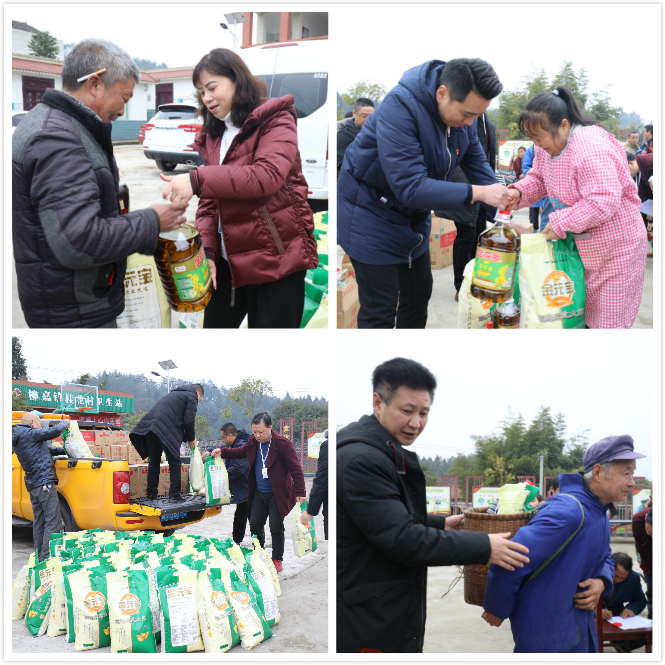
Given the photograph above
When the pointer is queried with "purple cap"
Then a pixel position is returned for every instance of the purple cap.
(608, 449)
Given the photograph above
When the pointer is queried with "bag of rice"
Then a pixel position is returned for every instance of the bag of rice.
(131, 616)
(218, 625)
(37, 615)
(252, 626)
(57, 624)
(41, 573)
(90, 609)
(258, 578)
(20, 594)
(76, 446)
(179, 621)
(196, 475)
(154, 597)
(217, 490)
(302, 538)
(236, 556)
(472, 313)
(269, 564)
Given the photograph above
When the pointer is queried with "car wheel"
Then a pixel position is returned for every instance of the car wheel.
(68, 522)
(165, 166)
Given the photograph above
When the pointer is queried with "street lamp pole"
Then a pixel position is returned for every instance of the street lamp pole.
(168, 365)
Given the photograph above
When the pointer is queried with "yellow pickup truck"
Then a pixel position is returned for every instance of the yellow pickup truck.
(94, 493)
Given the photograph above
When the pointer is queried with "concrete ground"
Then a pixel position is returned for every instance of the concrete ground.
(303, 605)
(471, 633)
(442, 310)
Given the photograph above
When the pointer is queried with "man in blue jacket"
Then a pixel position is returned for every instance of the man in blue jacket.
(398, 170)
(550, 601)
(237, 470)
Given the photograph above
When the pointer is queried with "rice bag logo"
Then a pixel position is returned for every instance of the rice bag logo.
(129, 604)
(44, 588)
(241, 597)
(218, 600)
(94, 601)
(558, 289)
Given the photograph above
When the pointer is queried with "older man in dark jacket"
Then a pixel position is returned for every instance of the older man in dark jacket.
(276, 481)
(319, 495)
(238, 472)
(35, 454)
(71, 241)
(398, 170)
(163, 429)
(385, 538)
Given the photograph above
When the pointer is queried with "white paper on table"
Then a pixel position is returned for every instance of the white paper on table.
(647, 207)
(632, 623)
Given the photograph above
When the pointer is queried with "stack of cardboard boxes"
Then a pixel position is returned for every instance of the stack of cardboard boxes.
(441, 239)
(348, 304)
(109, 444)
(138, 480)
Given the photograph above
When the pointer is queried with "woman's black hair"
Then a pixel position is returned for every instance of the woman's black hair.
(549, 109)
(249, 88)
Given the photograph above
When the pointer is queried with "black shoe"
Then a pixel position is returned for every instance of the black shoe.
(177, 498)
(152, 495)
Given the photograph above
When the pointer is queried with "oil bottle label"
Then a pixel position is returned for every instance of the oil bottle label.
(192, 277)
(494, 270)
(514, 327)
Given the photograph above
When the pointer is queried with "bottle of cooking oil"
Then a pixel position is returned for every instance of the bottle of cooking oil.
(507, 315)
(496, 258)
(123, 198)
(183, 269)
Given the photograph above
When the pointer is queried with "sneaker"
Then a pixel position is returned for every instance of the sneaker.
(178, 498)
(457, 296)
(650, 255)
(152, 495)
(278, 565)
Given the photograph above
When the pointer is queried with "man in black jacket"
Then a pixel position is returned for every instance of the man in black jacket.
(362, 109)
(385, 538)
(71, 241)
(471, 220)
(170, 422)
(35, 454)
(319, 493)
(238, 471)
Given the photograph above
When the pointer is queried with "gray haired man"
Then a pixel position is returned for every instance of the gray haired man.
(71, 242)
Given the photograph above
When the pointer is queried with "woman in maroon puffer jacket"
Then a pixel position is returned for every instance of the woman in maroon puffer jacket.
(253, 216)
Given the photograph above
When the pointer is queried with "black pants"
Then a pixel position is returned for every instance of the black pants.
(46, 518)
(264, 506)
(239, 522)
(381, 287)
(533, 217)
(276, 304)
(464, 247)
(155, 449)
(325, 518)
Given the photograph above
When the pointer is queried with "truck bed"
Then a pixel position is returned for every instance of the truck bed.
(193, 508)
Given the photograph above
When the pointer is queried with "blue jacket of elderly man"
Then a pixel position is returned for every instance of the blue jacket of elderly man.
(541, 609)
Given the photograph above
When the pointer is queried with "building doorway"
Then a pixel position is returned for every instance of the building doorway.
(33, 90)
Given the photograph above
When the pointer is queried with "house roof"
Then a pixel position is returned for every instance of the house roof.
(174, 73)
(17, 25)
(37, 65)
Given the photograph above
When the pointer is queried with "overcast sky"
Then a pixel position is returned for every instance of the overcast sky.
(225, 358)
(581, 375)
(617, 44)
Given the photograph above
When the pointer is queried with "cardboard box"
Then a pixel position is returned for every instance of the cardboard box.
(132, 456)
(348, 304)
(95, 449)
(164, 479)
(440, 257)
(142, 480)
(441, 239)
(442, 226)
(120, 437)
(105, 451)
(88, 435)
(118, 452)
(184, 478)
(104, 436)
(137, 490)
(347, 265)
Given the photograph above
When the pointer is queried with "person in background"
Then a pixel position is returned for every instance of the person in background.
(631, 145)
(543, 203)
(362, 109)
(648, 134)
(583, 169)
(276, 481)
(537, 500)
(516, 163)
(34, 452)
(238, 472)
(319, 495)
(643, 535)
(554, 487)
(170, 422)
(627, 599)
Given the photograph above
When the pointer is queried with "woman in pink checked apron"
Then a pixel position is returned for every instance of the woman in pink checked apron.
(584, 171)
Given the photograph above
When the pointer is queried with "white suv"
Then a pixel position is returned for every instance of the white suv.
(168, 135)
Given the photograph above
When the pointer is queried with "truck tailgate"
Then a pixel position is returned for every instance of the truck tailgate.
(170, 514)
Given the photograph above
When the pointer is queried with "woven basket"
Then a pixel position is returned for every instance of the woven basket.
(477, 519)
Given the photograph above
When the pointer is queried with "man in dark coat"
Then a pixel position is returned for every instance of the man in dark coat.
(238, 472)
(319, 494)
(276, 481)
(569, 537)
(163, 429)
(628, 599)
(71, 241)
(385, 537)
(346, 135)
(643, 534)
(35, 454)
(398, 169)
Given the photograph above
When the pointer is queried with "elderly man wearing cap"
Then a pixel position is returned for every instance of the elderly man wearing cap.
(550, 601)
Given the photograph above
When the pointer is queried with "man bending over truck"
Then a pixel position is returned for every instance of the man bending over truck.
(163, 429)
(35, 453)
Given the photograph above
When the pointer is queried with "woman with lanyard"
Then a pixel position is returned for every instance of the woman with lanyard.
(584, 171)
(255, 223)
